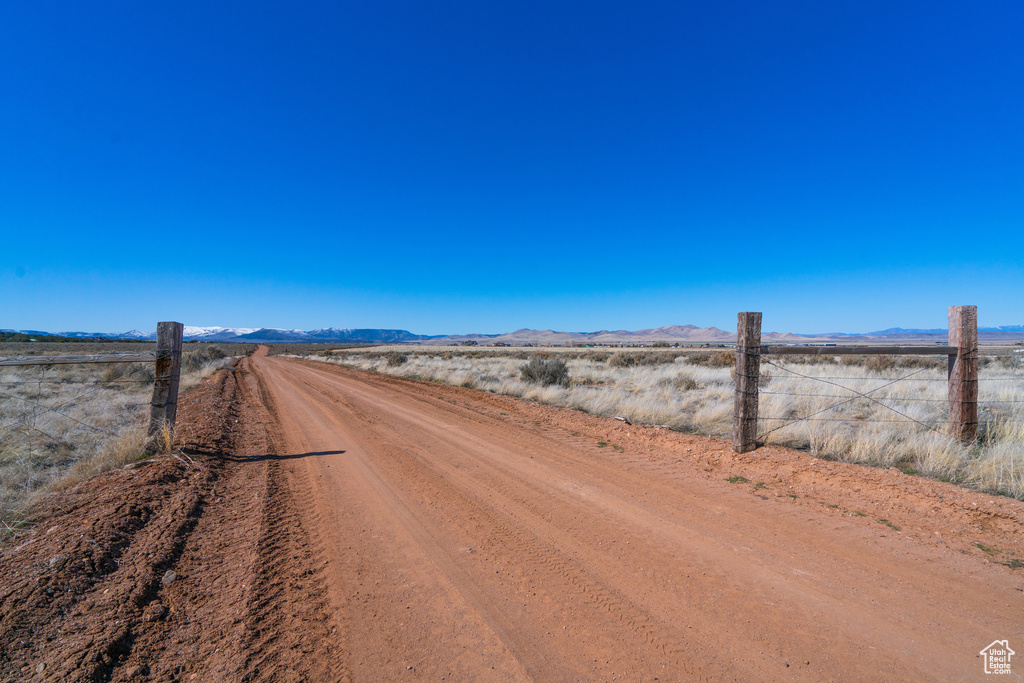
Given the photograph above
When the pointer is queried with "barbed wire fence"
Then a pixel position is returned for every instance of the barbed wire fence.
(42, 416)
(56, 402)
(888, 404)
(850, 393)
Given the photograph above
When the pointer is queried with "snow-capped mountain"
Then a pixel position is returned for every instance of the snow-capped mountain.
(279, 335)
(332, 335)
(215, 333)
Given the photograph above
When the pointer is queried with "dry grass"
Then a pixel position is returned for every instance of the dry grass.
(693, 392)
(61, 424)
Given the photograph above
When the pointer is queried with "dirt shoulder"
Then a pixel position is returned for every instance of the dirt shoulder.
(159, 571)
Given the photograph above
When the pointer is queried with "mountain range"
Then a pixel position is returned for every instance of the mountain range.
(670, 333)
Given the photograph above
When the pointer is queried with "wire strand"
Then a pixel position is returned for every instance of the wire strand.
(862, 395)
(838, 419)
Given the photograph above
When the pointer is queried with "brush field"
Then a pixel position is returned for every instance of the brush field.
(60, 424)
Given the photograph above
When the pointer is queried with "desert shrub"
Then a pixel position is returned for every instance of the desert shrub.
(680, 383)
(196, 360)
(922, 362)
(880, 363)
(1014, 362)
(628, 359)
(192, 361)
(621, 359)
(545, 371)
(712, 359)
(394, 358)
(722, 359)
(810, 359)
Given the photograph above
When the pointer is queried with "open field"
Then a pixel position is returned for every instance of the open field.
(63, 423)
(329, 524)
(901, 425)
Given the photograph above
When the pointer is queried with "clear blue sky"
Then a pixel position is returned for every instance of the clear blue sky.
(485, 166)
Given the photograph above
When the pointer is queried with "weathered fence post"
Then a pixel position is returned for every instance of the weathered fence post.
(164, 406)
(963, 373)
(748, 368)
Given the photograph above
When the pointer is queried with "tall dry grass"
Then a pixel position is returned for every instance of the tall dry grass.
(693, 392)
(61, 424)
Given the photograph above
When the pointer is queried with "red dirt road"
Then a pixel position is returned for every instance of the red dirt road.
(465, 540)
(323, 524)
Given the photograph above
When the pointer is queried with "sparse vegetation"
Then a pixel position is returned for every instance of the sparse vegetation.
(545, 371)
(60, 424)
(394, 358)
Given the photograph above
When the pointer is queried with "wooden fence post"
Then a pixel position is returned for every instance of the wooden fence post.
(164, 406)
(748, 368)
(963, 373)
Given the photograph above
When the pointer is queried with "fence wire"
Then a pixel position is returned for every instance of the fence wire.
(857, 392)
(848, 399)
(39, 409)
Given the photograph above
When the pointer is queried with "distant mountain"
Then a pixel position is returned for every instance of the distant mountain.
(899, 330)
(895, 331)
(328, 335)
(1001, 333)
(670, 333)
(1002, 328)
(132, 334)
(349, 334)
(259, 335)
(215, 333)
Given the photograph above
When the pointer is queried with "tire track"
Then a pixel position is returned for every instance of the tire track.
(531, 539)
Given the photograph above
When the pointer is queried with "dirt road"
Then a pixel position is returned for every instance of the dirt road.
(463, 542)
(324, 524)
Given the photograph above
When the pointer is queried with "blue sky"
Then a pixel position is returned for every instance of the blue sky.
(480, 167)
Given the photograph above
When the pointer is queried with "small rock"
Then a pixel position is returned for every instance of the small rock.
(40, 667)
(168, 578)
(57, 561)
(154, 611)
(133, 671)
